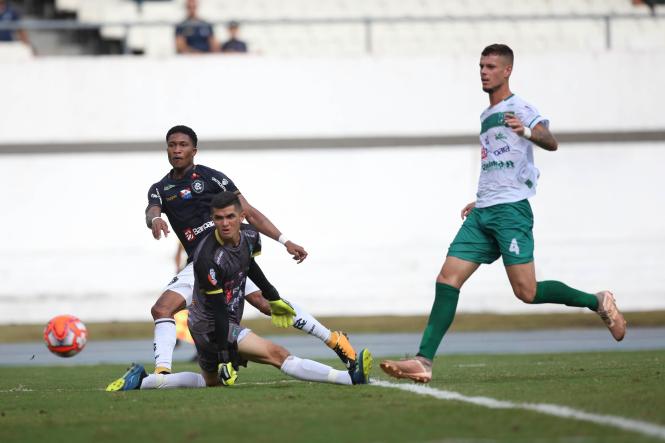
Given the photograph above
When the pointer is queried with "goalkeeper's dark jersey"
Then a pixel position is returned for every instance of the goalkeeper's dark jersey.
(220, 270)
(186, 202)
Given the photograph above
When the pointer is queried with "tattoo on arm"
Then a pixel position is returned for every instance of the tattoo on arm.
(542, 136)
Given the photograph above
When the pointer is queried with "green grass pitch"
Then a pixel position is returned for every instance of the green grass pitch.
(69, 404)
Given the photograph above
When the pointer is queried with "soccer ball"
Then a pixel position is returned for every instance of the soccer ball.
(65, 335)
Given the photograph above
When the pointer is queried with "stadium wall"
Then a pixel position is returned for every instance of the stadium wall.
(128, 99)
(377, 222)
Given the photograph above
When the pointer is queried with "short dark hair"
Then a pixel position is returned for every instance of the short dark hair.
(182, 129)
(499, 49)
(224, 199)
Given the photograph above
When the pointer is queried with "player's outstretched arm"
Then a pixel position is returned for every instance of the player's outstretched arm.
(265, 227)
(154, 221)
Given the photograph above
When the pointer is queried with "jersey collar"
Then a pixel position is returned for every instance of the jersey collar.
(219, 239)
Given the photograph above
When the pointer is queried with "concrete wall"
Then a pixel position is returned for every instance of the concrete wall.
(377, 224)
(136, 99)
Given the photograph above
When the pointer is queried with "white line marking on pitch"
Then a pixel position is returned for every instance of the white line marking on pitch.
(628, 424)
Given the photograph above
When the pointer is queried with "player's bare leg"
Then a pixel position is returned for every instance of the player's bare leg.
(523, 280)
(452, 276)
(166, 306)
(259, 350)
(335, 340)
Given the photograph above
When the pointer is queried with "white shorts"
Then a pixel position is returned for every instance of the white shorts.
(183, 284)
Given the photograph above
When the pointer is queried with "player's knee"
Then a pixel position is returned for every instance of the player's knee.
(526, 293)
(449, 280)
(277, 355)
(167, 305)
(159, 311)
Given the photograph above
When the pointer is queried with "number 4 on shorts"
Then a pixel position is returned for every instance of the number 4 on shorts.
(514, 247)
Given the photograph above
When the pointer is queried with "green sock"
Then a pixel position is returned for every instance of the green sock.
(440, 319)
(552, 291)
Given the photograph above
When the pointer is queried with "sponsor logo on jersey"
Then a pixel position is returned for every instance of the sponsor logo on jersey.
(212, 277)
(218, 256)
(186, 194)
(189, 234)
(500, 136)
(222, 184)
(154, 195)
(495, 165)
(175, 279)
(167, 187)
(203, 227)
(198, 186)
(170, 198)
(502, 150)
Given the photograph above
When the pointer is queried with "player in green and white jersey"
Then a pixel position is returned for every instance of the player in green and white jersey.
(500, 222)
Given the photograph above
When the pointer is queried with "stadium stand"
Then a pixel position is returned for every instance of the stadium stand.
(385, 27)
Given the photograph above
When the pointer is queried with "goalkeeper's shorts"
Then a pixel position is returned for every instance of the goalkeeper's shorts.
(206, 348)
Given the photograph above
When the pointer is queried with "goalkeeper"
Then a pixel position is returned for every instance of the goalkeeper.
(222, 262)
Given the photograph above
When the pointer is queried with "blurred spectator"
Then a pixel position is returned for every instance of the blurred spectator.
(650, 3)
(9, 14)
(233, 44)
(195, 36)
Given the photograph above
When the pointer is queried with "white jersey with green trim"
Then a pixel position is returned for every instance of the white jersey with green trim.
(507, 172)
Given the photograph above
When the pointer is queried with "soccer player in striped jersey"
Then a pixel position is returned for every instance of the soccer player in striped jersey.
(500, 222)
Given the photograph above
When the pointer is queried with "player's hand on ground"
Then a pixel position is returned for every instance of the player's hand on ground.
(514, 123)
(281, 313)
(298, 252)
(227, 374)
(159, 226)
(467, 209)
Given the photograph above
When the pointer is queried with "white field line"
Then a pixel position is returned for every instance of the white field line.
(628, 424)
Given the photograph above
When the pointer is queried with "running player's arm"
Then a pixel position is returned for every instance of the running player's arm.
(540, 135)
(467, 209)
(256, 218)
(267, 228)
(153, 214)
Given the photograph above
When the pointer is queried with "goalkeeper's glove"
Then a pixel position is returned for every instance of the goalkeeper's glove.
(227, 374)
(281, 313)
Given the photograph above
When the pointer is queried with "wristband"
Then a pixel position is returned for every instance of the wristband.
(154, 218)
(527, 133)
(282, 239)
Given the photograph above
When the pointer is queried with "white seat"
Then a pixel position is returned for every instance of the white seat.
(125, 11)
(67, 5)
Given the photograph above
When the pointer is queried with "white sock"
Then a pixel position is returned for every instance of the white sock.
(170, 381)
(164, 342)
(307, 323)
(311, 370)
